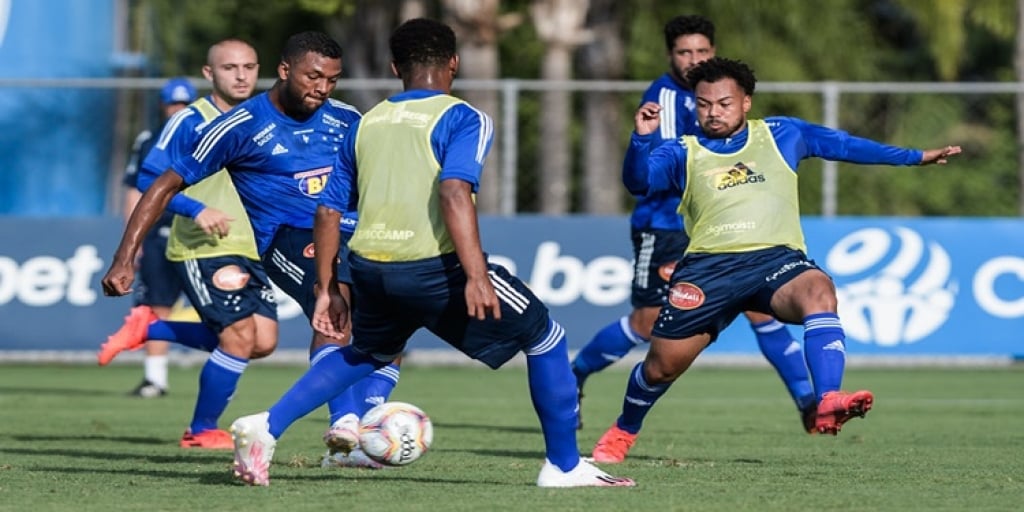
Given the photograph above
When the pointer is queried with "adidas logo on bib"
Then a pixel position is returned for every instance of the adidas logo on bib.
(279, 149)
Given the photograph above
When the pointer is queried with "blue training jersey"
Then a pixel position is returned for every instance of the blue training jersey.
(657, 210)
(664, 167)
(279, 165)
(178, 136)
(141, 148)
(460, 140)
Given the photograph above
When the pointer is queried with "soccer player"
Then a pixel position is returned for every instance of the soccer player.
(738, 185)
(213, 251)
(159, 287)
(659, 239)
(278, 148)
(416, 262)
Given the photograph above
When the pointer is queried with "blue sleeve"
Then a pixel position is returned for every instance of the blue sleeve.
(799, 139)
(176, 137)
(461, 140)
(645, 170)
(220, 143)
(340, 193)
(140, 146)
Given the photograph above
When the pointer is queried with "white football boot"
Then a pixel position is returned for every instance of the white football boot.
(343, 436)
(584, 474)
(254, 448)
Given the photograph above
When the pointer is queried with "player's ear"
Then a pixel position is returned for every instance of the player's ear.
(747, 102)
(394, 70)
(208, 72)
(282, 70)
(453, 65)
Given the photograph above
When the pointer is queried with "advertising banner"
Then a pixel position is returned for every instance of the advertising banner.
(906, 287)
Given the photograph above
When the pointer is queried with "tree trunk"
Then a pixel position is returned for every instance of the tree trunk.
(603, 59)
(478, 26)
(1019, 64)
(560, 25)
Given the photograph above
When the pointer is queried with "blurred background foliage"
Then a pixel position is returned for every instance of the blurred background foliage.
(783, 40)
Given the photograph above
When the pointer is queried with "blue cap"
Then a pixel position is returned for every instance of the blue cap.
(177, 90)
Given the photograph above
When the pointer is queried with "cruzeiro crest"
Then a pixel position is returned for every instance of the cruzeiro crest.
(893, 287)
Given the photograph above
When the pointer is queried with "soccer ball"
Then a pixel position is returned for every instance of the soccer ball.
(395, 433)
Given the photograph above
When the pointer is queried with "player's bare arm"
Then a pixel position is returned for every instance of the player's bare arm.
(939, 156)
(214, 222)
(119, 277)
(647, 118)
(330, 315)
(459, 214)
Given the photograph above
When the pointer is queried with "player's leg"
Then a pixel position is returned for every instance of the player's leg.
(786, 355)
(234, 298)
(524, 326)
(808, 294)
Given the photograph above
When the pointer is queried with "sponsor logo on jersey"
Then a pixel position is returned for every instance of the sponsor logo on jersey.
(685, 296)
(278, 149)
(312, 182)
(738, 174)
(264, 135)
(330, 120)
(665, 271)
(230, 278)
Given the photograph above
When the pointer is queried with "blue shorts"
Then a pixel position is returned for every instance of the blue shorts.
(158, 285)
(655, 253)
(226, 289)
(395, 299)
(290, 263)
(708, 291)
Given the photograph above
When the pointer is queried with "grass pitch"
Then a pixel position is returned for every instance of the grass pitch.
(721, 439)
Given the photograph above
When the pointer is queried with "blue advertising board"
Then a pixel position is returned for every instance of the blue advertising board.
(906, 287)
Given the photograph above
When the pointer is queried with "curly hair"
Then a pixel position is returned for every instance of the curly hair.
(421, 41)
(298, 45)
(688, 25)
(717, 68)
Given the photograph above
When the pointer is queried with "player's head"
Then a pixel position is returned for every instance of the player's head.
(232, 67)
(310, 68)
(176, 94)
(689, 40)
(724, 89)
(423, 45)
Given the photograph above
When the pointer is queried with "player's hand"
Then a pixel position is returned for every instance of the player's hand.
(647, 118)
(330, 314)
(214, 222)
(118, 280)
(939, 156)
(481, 299)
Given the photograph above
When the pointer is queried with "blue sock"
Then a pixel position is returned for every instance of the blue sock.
(608, 345)
(329, 375)
(345, 402)
(553, 392)
(825, 351)
(374, 389)
(787, 356)
(640, 397)
(190, 334)
(217, 383)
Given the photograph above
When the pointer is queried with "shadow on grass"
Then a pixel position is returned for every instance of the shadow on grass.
(195, 457)
(488, 427)
(47, 438)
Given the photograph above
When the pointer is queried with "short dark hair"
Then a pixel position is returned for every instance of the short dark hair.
(302, 43)
(717, 68)
(421, 41)
(688, 25)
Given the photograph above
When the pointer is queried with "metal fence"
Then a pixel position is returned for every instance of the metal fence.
(980, 116)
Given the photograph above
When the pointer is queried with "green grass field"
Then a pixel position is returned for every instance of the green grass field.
(721, 439)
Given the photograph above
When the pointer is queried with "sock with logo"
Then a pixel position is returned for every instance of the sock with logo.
(217, 383)
(608, 345)
(190, 334)
(335, 371)
(553, 392)
(825, 351)
(374, 389)
(787, 356)
(640, 397)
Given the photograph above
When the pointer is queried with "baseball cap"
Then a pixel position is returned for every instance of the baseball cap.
(177, 90)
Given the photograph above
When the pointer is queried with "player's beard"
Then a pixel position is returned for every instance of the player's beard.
(296, 101)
